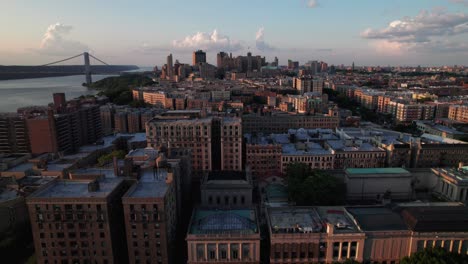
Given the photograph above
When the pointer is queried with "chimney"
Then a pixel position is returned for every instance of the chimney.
(93, 186)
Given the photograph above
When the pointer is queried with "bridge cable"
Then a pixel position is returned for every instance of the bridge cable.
(98, 59)
(62, 60)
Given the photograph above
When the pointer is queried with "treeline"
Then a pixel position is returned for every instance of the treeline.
(118, 88)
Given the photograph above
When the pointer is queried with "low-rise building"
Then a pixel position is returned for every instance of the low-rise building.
(223, 236)
(452, 183)
(375, 183)
(313, 234)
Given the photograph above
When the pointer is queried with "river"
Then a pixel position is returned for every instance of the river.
(27, 92)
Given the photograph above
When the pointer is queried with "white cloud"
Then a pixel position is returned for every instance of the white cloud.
(388, 47)
(260, 41)
(207, 41)
(54, 42)
(312, 3)
(426, 32)
(421, 28)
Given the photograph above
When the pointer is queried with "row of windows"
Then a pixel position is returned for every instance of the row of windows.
(221, 252)
(68, 207)
(77, 261)
(70, 217)
(73, 235)
(227, 200)
(308, 158)
(62, 226)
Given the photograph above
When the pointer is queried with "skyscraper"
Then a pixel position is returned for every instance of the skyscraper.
(198, 56)
(170, 68)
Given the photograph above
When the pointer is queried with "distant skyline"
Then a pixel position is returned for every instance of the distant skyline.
(368, 32)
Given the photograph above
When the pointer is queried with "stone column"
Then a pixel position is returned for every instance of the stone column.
(339, 251)
(240, 251)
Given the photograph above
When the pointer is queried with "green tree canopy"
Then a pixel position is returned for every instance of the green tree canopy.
(104, 159)
(313, 187)
(435, 255)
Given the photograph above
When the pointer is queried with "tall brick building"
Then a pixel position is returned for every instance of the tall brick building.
(151, 215)
(13, 134)
(64, 128)
(79, 222)
(216, 143)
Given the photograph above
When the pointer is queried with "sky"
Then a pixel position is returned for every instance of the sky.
(366, 32)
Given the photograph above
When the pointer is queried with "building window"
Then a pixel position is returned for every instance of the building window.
(212, 253)
(336, 249)
(246, 251)
(353, 249)
(234, 251)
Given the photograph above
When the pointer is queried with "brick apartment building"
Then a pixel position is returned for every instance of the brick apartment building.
(79, 222)
(282, 122)
(216, 143)
(13, 134)
(151, 215)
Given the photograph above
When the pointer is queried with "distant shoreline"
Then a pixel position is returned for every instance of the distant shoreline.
(31, 72)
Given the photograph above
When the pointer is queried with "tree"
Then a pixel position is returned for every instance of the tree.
(435, 255)
(104, 159)
(313, 187)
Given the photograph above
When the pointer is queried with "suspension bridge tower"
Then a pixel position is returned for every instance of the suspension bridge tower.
(87, 70)
(87, 65)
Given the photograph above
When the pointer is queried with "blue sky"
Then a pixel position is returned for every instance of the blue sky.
(368, 32)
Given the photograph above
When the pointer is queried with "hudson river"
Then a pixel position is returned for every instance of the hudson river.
(27, 92)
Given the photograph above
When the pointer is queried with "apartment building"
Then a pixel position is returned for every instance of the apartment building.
(13, 134)
(79, 222)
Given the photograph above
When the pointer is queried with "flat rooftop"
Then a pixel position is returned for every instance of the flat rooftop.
(152, 184)
(377, 218)
(295, 220)
(108, 173)
(213, 221)
(310, 219)
(437, 219)
(77, 189)
(373, 171)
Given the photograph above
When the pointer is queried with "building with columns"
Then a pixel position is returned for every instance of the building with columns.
(313, 234)
(368, 234)
(452, 183)
(223, 236)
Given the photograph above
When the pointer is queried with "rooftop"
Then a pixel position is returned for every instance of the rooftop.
(7, 194)
(310, 219)
(459, 175)
(206, 221)
(377, 219)
(77, 189)
(152, 183)
(437, 219)
(360, 171)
